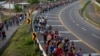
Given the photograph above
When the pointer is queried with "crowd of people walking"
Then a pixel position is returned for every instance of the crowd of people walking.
(55, 44)
(13, 21)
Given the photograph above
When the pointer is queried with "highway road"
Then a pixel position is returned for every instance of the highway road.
(71, 25)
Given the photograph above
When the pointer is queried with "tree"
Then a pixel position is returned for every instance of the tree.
(17, 8)
(33, 1)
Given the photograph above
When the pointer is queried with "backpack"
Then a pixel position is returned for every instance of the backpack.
(65, 47)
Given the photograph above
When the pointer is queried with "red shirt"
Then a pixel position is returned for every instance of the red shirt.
(71, 54)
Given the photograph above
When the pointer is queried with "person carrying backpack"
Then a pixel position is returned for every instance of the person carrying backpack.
(66, 46)
(3, 35)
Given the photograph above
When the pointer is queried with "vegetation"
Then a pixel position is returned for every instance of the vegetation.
(97, 8)
(91, 20)
(5, 18)
(21, 44)
(33, 1)
(84, 7)
(17, 8)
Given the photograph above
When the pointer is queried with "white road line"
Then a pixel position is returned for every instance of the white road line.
(53, 20)
(47, 15)
(92, 54)
(57, 25)
(71, 18)
(84, 29)
(51, 17)
(64, 32)
(73, 21)
(76, 41)
(77, 24)
(94, 35)
(52, 14)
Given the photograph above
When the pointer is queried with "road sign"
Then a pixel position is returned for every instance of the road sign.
(34, 35)
(28, 21)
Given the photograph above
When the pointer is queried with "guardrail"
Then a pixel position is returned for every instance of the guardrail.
(34, 14)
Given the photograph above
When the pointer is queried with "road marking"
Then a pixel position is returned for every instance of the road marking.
(71, 18)
(64, 32)
(57, 25)
(60, 19)
(51, 17)
(52, 14)
(73, 21)
(84, 29)
(86, 21)
(77, 24)
(53, 20)
(94, 35)
(92, 54)
(47, 15)
(75, 41)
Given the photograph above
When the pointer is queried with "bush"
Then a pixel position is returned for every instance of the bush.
(33, 1)
(84, 7)
(17, 8)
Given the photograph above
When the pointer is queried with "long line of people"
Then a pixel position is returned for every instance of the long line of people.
(55, 44)
(14, 20)
(50, 5)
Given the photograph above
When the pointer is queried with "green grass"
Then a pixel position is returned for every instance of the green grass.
(97, 8)
(84, 7)
(21, 44)
(5, 17)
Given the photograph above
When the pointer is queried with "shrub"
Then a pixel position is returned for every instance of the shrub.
(84, 7)
(17, 8)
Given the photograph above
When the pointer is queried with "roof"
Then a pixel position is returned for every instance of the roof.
(8, 6)
(2, 2)
(24, 3)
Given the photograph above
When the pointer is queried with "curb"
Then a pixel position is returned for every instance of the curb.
(7, 43)
(90, 21)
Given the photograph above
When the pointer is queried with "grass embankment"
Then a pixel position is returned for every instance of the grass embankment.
(84, 7)
(21, 44)
(5, 18)
(97, 8)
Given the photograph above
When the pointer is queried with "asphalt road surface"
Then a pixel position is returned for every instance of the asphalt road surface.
(71, 25)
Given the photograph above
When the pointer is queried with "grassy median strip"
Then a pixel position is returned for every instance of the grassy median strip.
(21, 44)
(84, 7)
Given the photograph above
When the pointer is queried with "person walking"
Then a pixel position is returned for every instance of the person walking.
(79, 52)
(3, 35)
(45, 36)
(66, 46)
